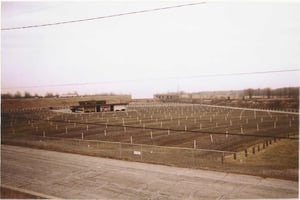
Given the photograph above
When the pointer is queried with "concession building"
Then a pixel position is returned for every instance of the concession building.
(98, 106)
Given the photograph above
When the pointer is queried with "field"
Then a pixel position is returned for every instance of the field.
(188, 135)
(10, 105)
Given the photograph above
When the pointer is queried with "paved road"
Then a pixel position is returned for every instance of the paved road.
(75, 176)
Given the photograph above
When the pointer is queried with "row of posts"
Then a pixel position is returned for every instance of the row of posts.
(257, 148)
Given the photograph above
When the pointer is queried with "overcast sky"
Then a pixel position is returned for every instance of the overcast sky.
(143, 54)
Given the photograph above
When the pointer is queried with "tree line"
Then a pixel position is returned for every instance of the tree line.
(290, 92)
(25, 95)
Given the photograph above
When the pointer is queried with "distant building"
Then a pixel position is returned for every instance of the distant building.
(69, 95)
(167, 97)
(98, 106)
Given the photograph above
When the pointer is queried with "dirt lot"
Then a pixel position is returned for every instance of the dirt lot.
(178, 125)
(195, 127)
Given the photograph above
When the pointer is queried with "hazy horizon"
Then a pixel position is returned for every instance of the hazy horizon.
(171, 92)
(155, 52)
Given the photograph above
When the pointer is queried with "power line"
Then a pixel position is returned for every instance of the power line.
(247, 73)
(102, 17)
(155, 79)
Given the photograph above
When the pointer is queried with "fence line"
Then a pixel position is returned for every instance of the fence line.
(147, 145)
(293, 112)
(175, 156)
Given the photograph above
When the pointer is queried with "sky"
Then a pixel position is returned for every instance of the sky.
(148, 53)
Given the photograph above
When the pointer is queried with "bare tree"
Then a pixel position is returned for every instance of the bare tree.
(268, 92)
(6, 96)
(249, 92)
(49, 95)
(27, 95)
(18, 95)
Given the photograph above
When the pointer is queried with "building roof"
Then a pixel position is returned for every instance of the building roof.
(93, 103)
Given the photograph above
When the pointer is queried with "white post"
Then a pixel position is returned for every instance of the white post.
(242, 131)
(226, 132)
(151, 135)
(195, 145)
(87, 127)
(161, 124)
(82, 136)
(185, 128)
(168, 131)
(125, 129)
(66, 130)
(211, 138)
(216, 124)
(104, 132)
(130, 139)
(230, 122)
